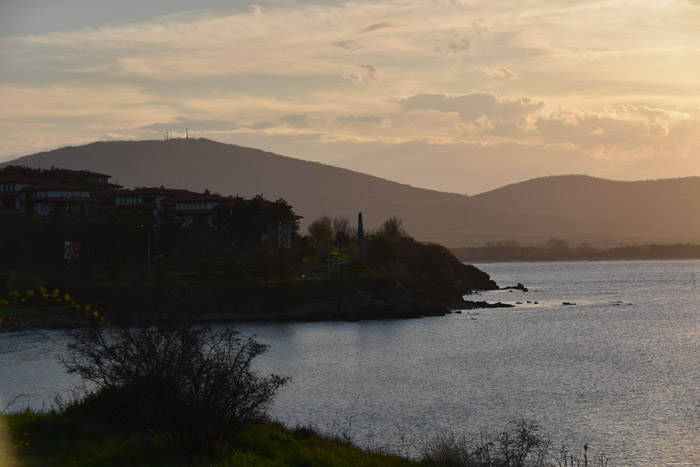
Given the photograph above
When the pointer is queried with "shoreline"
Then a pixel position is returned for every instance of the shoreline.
(398, 308)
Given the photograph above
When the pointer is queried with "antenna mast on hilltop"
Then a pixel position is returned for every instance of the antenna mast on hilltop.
(187, 133)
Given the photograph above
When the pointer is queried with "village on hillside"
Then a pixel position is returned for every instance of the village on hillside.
(88, 194)
(82, 193)
(57, 220)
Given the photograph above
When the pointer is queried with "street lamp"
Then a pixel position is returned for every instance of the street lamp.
(148, 234)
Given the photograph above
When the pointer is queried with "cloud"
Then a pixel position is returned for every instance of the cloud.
(235, 71)
(261, 126)
(622, 130)
(496, 75)
(362, 119)
(181, 123)
(459, 45)
(368, 73)
(296, 120)
(470, 107)
(348, 44)
(454, 44)
(379, 26)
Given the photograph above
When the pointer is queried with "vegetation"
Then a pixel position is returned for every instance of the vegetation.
(520, 444)
(231, 271)
(406, 267)
(559, 250)
(206, 389)
(80, 435)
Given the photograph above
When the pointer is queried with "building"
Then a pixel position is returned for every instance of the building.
(83, 193)
(12, 194)
(53, 198)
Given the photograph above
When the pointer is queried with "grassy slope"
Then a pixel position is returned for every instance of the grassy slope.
(77, 437)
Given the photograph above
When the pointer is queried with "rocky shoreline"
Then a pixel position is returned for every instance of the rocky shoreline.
(359, 307)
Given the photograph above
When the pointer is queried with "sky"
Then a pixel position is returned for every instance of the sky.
(449, 95)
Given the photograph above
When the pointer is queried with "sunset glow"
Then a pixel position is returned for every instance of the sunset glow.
(450, 95)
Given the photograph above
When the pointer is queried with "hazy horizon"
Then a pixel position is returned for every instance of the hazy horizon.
(450, 96)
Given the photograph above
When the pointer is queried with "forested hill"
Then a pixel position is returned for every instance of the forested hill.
(573, 208)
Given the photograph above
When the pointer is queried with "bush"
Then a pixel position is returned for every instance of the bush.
(194, 389)
(520, 444)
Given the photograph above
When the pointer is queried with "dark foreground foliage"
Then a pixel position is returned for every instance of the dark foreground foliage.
(80, 435)
(520, 444)
(194, 389)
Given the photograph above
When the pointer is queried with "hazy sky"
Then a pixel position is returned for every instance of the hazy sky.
(450, 95)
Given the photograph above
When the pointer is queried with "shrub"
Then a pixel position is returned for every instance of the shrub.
(520, 444)
(194, 389)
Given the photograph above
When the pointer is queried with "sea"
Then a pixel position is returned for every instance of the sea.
(602, 354)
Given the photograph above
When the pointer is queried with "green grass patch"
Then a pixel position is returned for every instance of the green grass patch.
(82, 436)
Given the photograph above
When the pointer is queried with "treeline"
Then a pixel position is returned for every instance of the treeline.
(560, 250)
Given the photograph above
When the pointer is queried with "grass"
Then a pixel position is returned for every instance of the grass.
(79, 436)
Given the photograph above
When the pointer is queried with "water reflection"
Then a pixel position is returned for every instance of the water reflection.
(619, 370)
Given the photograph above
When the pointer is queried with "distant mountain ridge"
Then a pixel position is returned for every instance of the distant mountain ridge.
(572, 207)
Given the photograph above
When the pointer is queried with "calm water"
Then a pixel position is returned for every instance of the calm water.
(619, 370)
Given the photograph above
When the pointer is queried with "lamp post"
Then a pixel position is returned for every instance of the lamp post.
(148, 234)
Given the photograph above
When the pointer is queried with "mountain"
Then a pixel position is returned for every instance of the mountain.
(574, 208)
(661, 211)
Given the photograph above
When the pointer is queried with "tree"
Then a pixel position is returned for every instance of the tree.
(193, 388)
(321, 233)
(392, 228)
(341, 227)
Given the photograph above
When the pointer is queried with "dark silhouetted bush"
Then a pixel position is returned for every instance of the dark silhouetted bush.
(193, 388)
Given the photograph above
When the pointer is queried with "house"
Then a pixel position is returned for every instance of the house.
(146, 199)
(54, 198)
(57, 192)
(189, 206)
(85, 193)
(12, 195)
(92, 179)
(162, 203)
